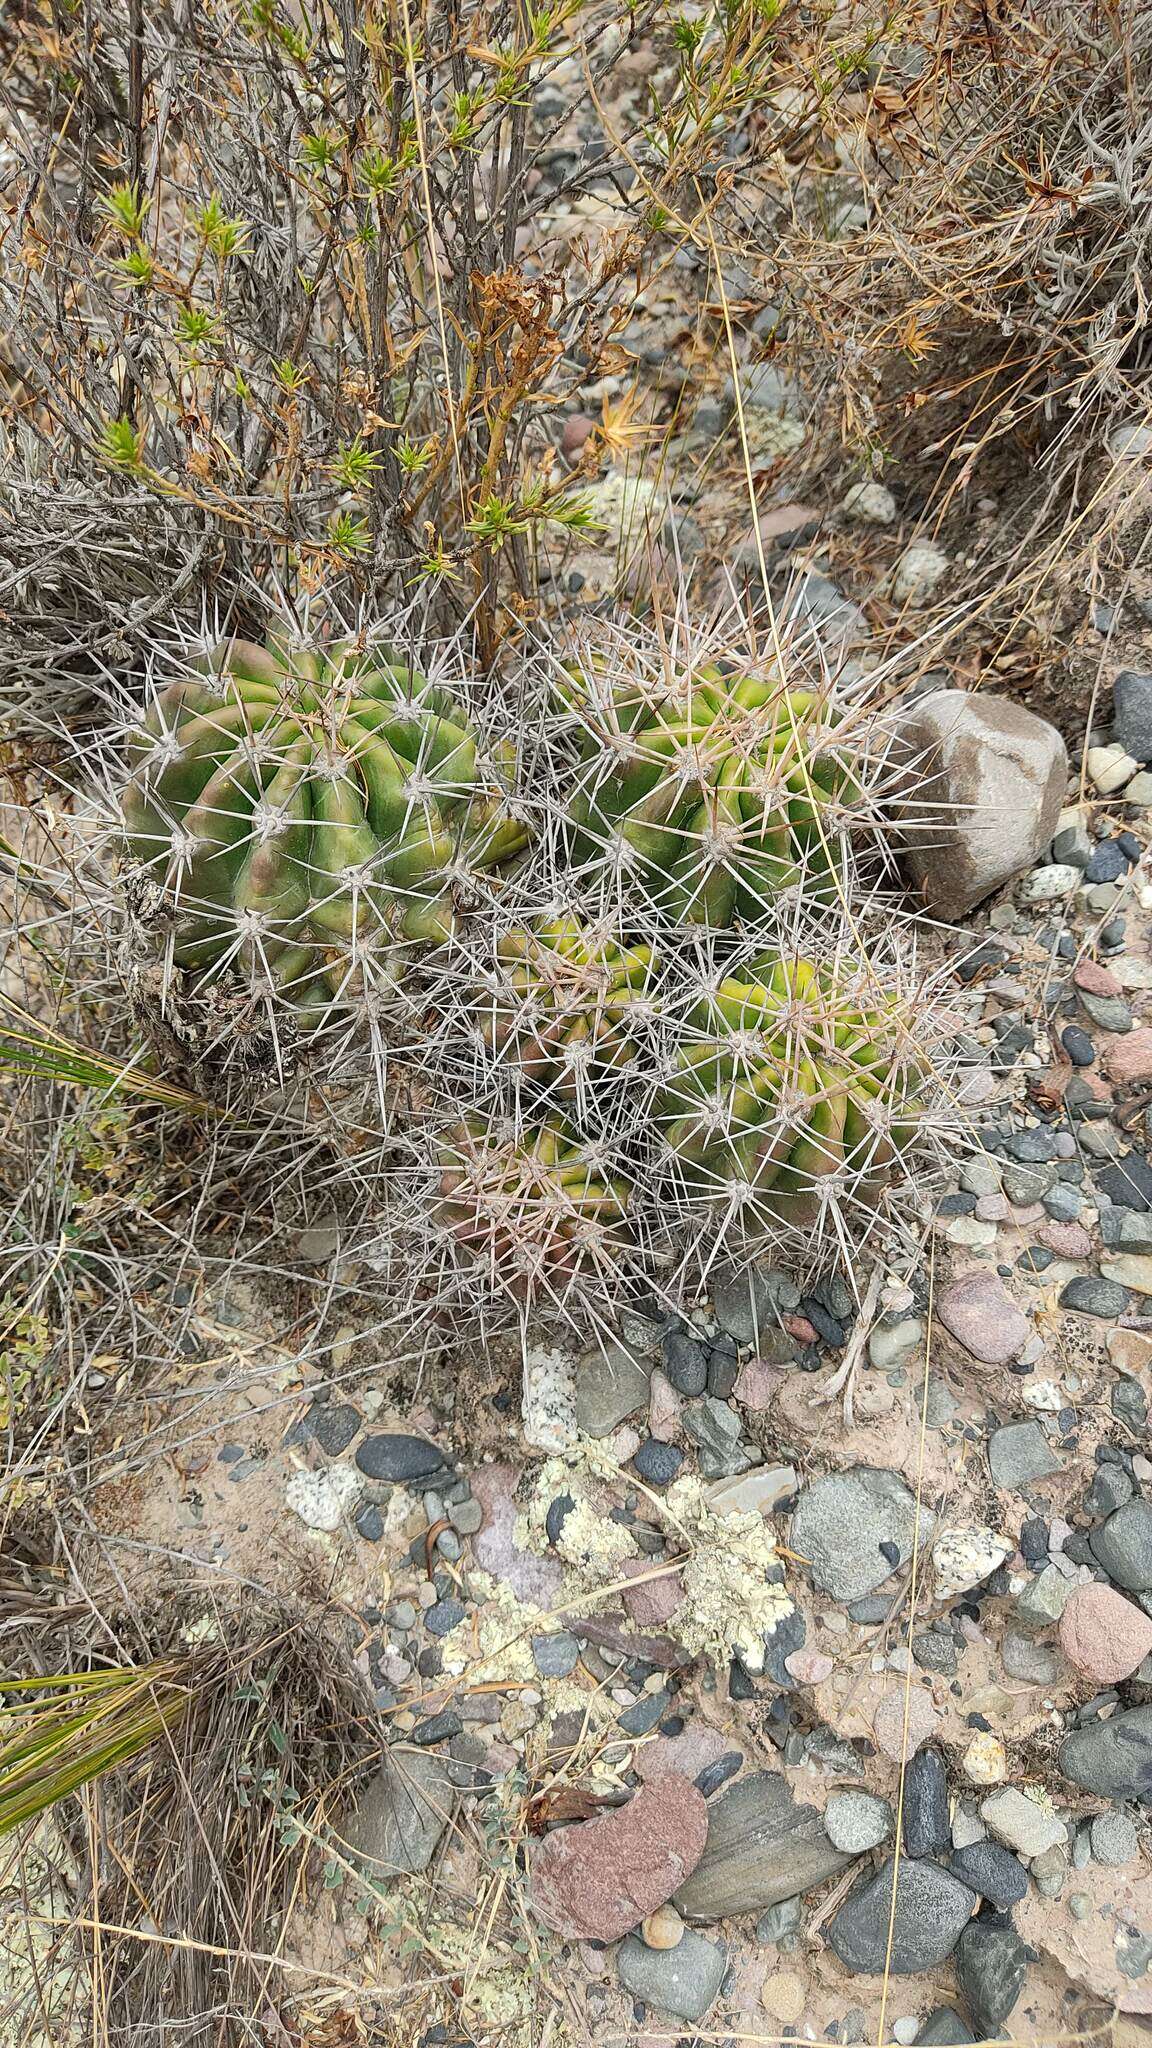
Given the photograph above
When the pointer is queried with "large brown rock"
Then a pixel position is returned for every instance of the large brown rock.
(600, 1878)
(984, 782)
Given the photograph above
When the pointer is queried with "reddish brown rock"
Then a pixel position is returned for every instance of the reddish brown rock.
(1103, 1635)
(1089, 975)
(597, 1880)
(1067, 1240)
(1128, 1055)
(655, 1600)
(982, 1316)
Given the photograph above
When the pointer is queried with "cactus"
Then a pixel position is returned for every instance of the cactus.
(536, 1210)
(797, 1082)
(299, 805)
(717, 793)
(569, 1004)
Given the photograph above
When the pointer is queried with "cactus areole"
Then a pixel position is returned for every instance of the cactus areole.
(305, 808)
(797, 1086)
(717, 796)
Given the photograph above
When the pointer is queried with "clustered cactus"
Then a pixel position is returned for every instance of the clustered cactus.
(325, 821)
(301, 807)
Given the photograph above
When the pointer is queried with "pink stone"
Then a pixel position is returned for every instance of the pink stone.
(684, 1755)
(1128, 1055)
(982, 1316)
(800, 1328)
(1096, 980)
(757, 1383)
(536, 1579)
(888, 1723)
(598, 1879)
(1067, 1240)
(576, 431)
(992, 1209)
(664, 1406)
(1103, 1635)
(808, 1667)
(656, 1600)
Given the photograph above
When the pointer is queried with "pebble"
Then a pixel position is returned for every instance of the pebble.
(931, 1910)
(332, 1424)
(1033, 1663)
(870, 502)
(369, 1523)
(1128, 1182)
(685, 1363)
(780, 1921)
(993, 1872)
(857, 1821)
(596, 1880)
(611, 1384)
(899, 1733)
(784, 1996)
(925, 1810)
(842, 1520)
(663, 1929)
(322, 1500)
(401, 1459)
(657, 1463)
(1021, 1822)
(1043, 1599)
(444, 1616)
(555, 1656)
(1109, 1013)
(1103, 1635)
(1123, 1546)
(982, 1316)
(985, 1760)
(1092, 1297)
(1019, 1455)
(1129, 1057)
(1132, 713)
(943, 2028)
(1129, 1269)
(1110, 768)
(396, 1822)
(963, 1558)
(890, 1346)
(1114, 1840)
(465, 1516)
(1063, 1202)
(1050, 884)
(1078, 1046)
(684, 1981)
(991, 1966)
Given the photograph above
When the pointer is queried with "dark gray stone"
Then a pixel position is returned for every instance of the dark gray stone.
(1112, 1758)
(1092, 1296)
(1063, 1203)
(332, 1424)
(1132, 713)
(402, 1459)
(684, 1980)
(925, 1813)
(657, 1463)
(686, 1362)
(936, 1653)
(943, 2028)
(446, 1615)
(841, 1521)
(991, 1965)
(749, 1302)
(1112, 1487)
(369, 1522)
(932, 1910)
(1123, 1546)
(556, 1655)
(993, 1872)
(762, 1847)
(1128, 1182)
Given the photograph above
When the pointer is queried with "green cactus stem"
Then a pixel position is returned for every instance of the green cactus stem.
(300, 804)
(536, 1211)
(568, 1004)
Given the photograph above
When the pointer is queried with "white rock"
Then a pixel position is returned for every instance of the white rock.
(962, 1558)
(871, 502)
(1051, 882)
(323, 1499)
(985, 1761)
(917, 573)
(1129, 441)
(1044, 1395)
(1110, 768)
(548, 1399)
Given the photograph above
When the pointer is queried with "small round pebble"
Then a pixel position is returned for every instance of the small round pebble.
(784, 1996)
(657, 1463)
(985, 1762)
(555, 1656)
(662, 1929)
(1078, 1046)
(445, 1616)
